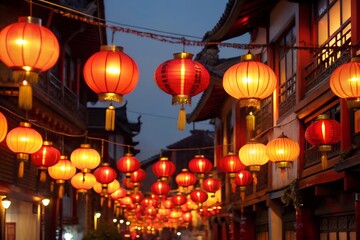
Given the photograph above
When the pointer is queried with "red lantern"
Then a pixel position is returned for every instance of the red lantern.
(200, 165)
(137, 177)
(168, 203)
(105, 175)
(160, 188)
(23, 140)
(111, 74)
(344, 82)
(187, 217)
(185, 179)
(83, 181)
(62, 171)
(182, 78)
(243, 179)
(211, 185)
(179, 199)
(28, 49)
(249, 81)
(85, 158)
(198, 196)
(137, 197)
(3, 127)
(120, 193)
(128, 164)
(231, 164)
(164, 168)
(126, 201)
(45, 157)
(323, 133)
(128, 184)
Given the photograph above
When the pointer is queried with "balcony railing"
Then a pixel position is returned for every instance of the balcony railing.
(61, 95)
(331, 56)
(264, 117)
(287, 96)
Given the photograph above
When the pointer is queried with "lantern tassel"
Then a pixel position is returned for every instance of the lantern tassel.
(233, 185)
(25, 96)
(61, 191)
(254, 181)
(109, 203)
(182, 119)
(19, 75)
(101, 201)
(282, 174)
(110, 118)
(42, 176)
(323, 160)
(21, 169)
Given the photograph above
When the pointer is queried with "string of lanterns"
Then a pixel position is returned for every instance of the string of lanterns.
(249, 81)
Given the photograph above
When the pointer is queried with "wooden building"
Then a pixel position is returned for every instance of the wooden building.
(303, 42)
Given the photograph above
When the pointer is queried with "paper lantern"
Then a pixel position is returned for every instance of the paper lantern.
(200, 165)
(111, 74)
(83, 182)
(249, 81)
(211, 185)
(160, 188)
(282, 151)
(243, 179)
(111, 187)
(182, 78)
(3, 127)
(323, 133)
(28, 48)
(345, 82)
(231, 164)
(105, 175)
(137, 177)
(62, 171)
(128, 164)
(137, 197)
(179, 199)
(198, 196)
(119, 193)
(185, 179)
(187, 217)
(85, 158)
(23, 140)
(45, 157)
(164, 168)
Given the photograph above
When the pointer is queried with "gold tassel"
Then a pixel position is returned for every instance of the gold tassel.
(182, 119)
(233, 185)
(282, 174)
(20, 75)
(254, 181)
(323, 160)
(109, 203)
(25, 96)
(42, 176)
(110, 118)
(21, 169)
(101, 201)
(61, 191)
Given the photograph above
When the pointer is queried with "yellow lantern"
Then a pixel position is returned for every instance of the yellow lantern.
(250, 81)
(282, 151)
(345, 82)
(83, 181)
(85, 158)
(23, 140)
(62, 171)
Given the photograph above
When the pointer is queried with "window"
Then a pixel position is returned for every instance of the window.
(337, 227)
(287, 70)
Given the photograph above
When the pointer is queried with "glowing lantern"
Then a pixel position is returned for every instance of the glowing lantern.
(179, 199)
(125, 201)
(111, 187)
(175, 214)
(28, 49)
(249, 81)
(164, 168)
(185, 179)
(137, 197)
(282, 151)
(83, 181)
(211, 185)
(200, 165)
(128, 184)
(137, 177)
(182, 78)
(160, 188)
(62, 171)
(128, 164)
(150, 211)
(323, 133)
(45, 157)
(3, 127)
(187, 217)
(85, 158)
(243, 178)
(105, 175)
(231, 164)
(23, 140)
(120, 193)
(198, 196)
(111, 74)
(345, 82)
(168, 203)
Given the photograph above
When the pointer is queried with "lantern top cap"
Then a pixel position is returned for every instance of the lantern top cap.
(62, 157)
(322, 117)
(164, 159)
(355, 59)
(199, 156)
(230, 153)
(247, 57)
(29, 19)
(105, 164)
(47, 143)
(183, 55)
(129, 154)
(184, 170)
(282, 135)
(25, 124)
(85, 145)
(113, 48)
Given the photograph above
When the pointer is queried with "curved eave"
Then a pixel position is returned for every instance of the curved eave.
(240, 17)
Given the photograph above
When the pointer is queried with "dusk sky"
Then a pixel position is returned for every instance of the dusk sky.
(185, 17)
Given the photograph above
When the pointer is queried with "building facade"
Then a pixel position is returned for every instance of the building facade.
(303, 42)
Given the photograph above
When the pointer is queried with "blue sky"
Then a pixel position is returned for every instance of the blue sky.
(185, 17)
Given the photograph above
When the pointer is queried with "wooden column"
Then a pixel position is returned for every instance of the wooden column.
(305, 225)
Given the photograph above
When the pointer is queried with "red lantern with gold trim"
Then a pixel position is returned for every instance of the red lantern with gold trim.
(111, 74)
(164, 168)
(323, 133)
(200, 165)
(137, 197)
(23, 140)
(128, 164)
(182, 78)
(45, 157)
(231, 164)
(160, 188)
(179, 199)
(243, 178)
(137, 177)
(198, 196)
(185, 179)
(211, 185)
(105, 175)
(28, 48)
